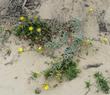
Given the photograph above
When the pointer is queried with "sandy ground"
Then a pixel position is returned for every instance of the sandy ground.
(14, 78)
(30, 61)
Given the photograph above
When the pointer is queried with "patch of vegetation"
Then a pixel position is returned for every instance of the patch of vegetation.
(102, 83)
(71, 50)
(88, 85)
(63, 69)
(65, 34)
(37, 91)
(71, 36)
(35, 75)
(51, 35)
(33, 29)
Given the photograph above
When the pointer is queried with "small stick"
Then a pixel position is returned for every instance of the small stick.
(93, 66)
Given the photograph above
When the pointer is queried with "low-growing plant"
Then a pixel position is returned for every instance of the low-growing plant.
(102, 83)
(65, 69)
(88, 85)
(35, 75)
(71, 36)
(51, 35)
(33, 29)
(37, 91)
(70, 30)
(72, 49)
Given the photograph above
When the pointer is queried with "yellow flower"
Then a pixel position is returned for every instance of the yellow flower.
(20, 50)
(39, 49)
(39, 29)
(90, 10)
(45, 86)
(104, 40)
(31, 28)
(22, 18)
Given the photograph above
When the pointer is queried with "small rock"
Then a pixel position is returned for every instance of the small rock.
(16, 77)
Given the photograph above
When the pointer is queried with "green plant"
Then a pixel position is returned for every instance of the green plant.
(63, 32)
(88, 84)
(102, 83)
(35, 75)
(66, 67)
(52, 35)
(71, 50)
(63, 69)
(37, 91)
(60, 40)
(70, 31)
(33, 29)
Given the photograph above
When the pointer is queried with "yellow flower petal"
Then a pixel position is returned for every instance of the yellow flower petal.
(40, 49)
(104, 40)
(22, 18)
(90, 10)
(31, 28)
(39, 29)
(45, 86)
(20, 50)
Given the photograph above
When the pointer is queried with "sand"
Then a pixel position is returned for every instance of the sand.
(15, 76)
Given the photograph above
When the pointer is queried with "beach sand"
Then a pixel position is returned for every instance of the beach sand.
(16, 69)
